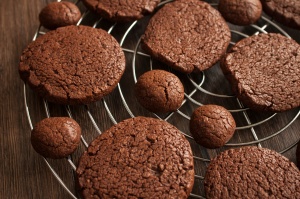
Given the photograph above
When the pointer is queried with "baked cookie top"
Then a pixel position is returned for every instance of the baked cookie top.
(187, 35)
(122, 11)
(59, 14)
(159, 91)
(251, 172)
(286, 12)
(240, 12)
(264, 72)
(73, 65)
(212, 126)
(56, 137)
(137, 158)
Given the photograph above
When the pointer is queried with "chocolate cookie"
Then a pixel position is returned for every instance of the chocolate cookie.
(264, 72)
(187, 35)
(137, 158)
(240, 12)
(56, 137)
(251, 172)
(212, 126)
(58, 14)
(73, 65)
(122, 11)
(159, 91)
(283, 11)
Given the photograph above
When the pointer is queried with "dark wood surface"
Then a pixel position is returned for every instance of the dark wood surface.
(24, 173)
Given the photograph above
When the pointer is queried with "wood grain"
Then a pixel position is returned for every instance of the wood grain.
(23, 173)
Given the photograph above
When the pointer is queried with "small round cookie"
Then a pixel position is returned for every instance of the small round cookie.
(58, 14)
(137, 158)
(159, 91)
(187, 35)
(283, 11)
(264, 72)
(251, 172)
(122, 11)
(56, 137)
(212, 126)
(73, 65)
(240, 12)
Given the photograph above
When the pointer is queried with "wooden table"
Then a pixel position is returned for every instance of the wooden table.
(24, 173)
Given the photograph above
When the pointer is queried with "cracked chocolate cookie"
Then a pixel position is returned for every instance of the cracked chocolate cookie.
(187, 35)
(264, 72)
(286, 12)
(73, 65)
(240, 12)
(212, 126)
(251, 172)
(159, 91)
(59, 14)
(137, 158)
(56, 137)
(122, 11)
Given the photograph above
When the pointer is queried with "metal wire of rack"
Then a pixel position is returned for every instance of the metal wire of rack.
(199, 89)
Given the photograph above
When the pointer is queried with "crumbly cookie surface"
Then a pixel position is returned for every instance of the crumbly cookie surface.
(252, 172)
(187, 35)
(264, 72)
(122, 11)
(159, 91)
(56, 137)
(212, 125)
(240, 12)
(73, 65)
(137, 158)
(59, 14)
(286, 12)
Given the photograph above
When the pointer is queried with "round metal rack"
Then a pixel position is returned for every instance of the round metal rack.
(207, 87)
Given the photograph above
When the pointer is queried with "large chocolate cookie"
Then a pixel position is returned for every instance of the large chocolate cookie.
(264, 72)
(251, 172)
(56, 137)
(286, 12)
(73, 65)
(137, 158)
(122, 11)
(59, 14)
(187, 35)
(212, 126)
(159, 91)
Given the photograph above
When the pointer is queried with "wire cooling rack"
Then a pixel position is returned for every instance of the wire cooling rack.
(269, 130)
